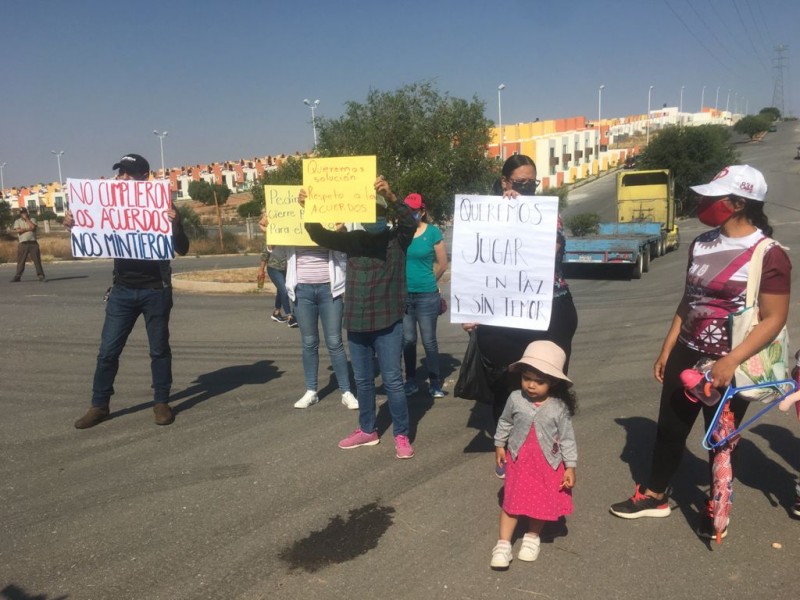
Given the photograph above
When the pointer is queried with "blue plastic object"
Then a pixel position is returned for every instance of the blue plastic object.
(791, 384)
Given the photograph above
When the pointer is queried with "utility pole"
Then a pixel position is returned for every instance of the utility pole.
(779, 63)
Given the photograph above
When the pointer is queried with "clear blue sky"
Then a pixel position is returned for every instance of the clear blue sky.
(227, 79)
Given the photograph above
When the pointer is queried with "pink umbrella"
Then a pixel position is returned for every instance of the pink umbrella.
(722, 472)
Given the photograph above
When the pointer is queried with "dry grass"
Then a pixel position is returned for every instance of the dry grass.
(51, 247)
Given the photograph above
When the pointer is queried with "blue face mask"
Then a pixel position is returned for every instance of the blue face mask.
(378, 226)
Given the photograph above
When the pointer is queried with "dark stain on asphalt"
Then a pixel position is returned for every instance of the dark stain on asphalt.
(341, 540)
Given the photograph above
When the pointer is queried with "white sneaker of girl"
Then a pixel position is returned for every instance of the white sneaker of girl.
(529, 550)
(501, 556)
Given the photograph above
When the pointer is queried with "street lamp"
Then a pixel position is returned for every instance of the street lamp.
(313, 106)
(161, 137)
(58, 158)
(728, 101)
(500, 88)
(716, 101)
(650, 91)
(2, 182)
(599, 118)
(736, 102)
(680, 106)
(702, 98)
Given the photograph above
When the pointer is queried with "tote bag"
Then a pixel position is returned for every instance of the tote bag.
(771, 362)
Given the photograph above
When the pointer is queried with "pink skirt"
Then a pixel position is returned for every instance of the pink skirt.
(532, 485)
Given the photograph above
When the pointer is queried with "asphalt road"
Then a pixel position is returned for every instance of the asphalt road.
(244, 497)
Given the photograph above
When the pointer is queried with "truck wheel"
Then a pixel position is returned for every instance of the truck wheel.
(646, 259)
(661, 247)
(636, 270)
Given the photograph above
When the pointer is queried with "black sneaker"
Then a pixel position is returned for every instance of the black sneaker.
(641, 505)
(706, 527)
(292, 322)
(279, 318)
(796, 506)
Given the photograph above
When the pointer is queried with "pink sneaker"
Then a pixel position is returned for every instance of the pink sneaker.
(359, 438)
(403, 447)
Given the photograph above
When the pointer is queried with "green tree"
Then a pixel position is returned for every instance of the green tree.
(6, 218)
(289, 173)
(583, 224)
(752, 125)
(425, 142)
(771, 112)
(191, 223)
(693, 154)
(202, 191)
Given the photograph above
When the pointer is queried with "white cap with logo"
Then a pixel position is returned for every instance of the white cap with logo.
(737, 180)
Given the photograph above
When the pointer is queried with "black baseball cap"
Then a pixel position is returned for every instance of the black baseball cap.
(134, 164)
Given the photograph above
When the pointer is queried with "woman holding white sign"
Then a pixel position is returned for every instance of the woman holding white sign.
(501, 346)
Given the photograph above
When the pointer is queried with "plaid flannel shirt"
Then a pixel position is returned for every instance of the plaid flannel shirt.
(375, 291)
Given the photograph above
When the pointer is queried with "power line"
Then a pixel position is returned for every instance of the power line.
(749, 37)
(755, 22)
(697, 39)
(714, 35)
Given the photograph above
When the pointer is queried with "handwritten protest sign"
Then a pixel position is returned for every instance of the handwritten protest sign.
(503, 260)
(340, 189)
(285, 217)
(121, 219)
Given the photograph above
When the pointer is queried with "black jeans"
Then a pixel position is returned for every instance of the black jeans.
(677, 415)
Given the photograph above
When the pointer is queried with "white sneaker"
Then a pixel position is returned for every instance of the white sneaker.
(501, 556)
(529, 551)
(350, 401)
(309, 398)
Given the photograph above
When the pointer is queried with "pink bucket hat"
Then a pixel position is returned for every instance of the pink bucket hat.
(544, 356)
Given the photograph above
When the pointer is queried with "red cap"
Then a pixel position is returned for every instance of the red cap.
(414, 202)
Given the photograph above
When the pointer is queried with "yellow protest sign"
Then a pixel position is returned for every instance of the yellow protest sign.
(340, 189)
(285, 216)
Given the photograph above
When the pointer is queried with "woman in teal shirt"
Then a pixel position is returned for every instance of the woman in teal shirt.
(426, 262)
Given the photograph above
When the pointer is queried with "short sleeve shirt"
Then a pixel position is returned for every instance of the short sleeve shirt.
(713, 293)
(419, 261)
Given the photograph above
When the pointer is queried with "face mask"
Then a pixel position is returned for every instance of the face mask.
(713, 212)
(378, 226)
(524, 189)
(417, 216)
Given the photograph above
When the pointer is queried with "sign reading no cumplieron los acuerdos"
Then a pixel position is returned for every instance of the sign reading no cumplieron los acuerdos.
(503, 260)
(121, 219)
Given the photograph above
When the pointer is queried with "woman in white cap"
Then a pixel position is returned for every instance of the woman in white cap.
(716, 281)
(536, 440)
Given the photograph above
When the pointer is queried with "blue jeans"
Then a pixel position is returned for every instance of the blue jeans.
(314, 303)
(123, 308)
(386, 345)
(281, 293)
(421, 310)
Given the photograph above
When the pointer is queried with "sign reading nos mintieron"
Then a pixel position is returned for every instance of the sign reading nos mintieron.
(121, 219)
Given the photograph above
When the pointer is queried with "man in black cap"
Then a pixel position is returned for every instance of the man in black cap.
(141, 287)
(25, 228)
